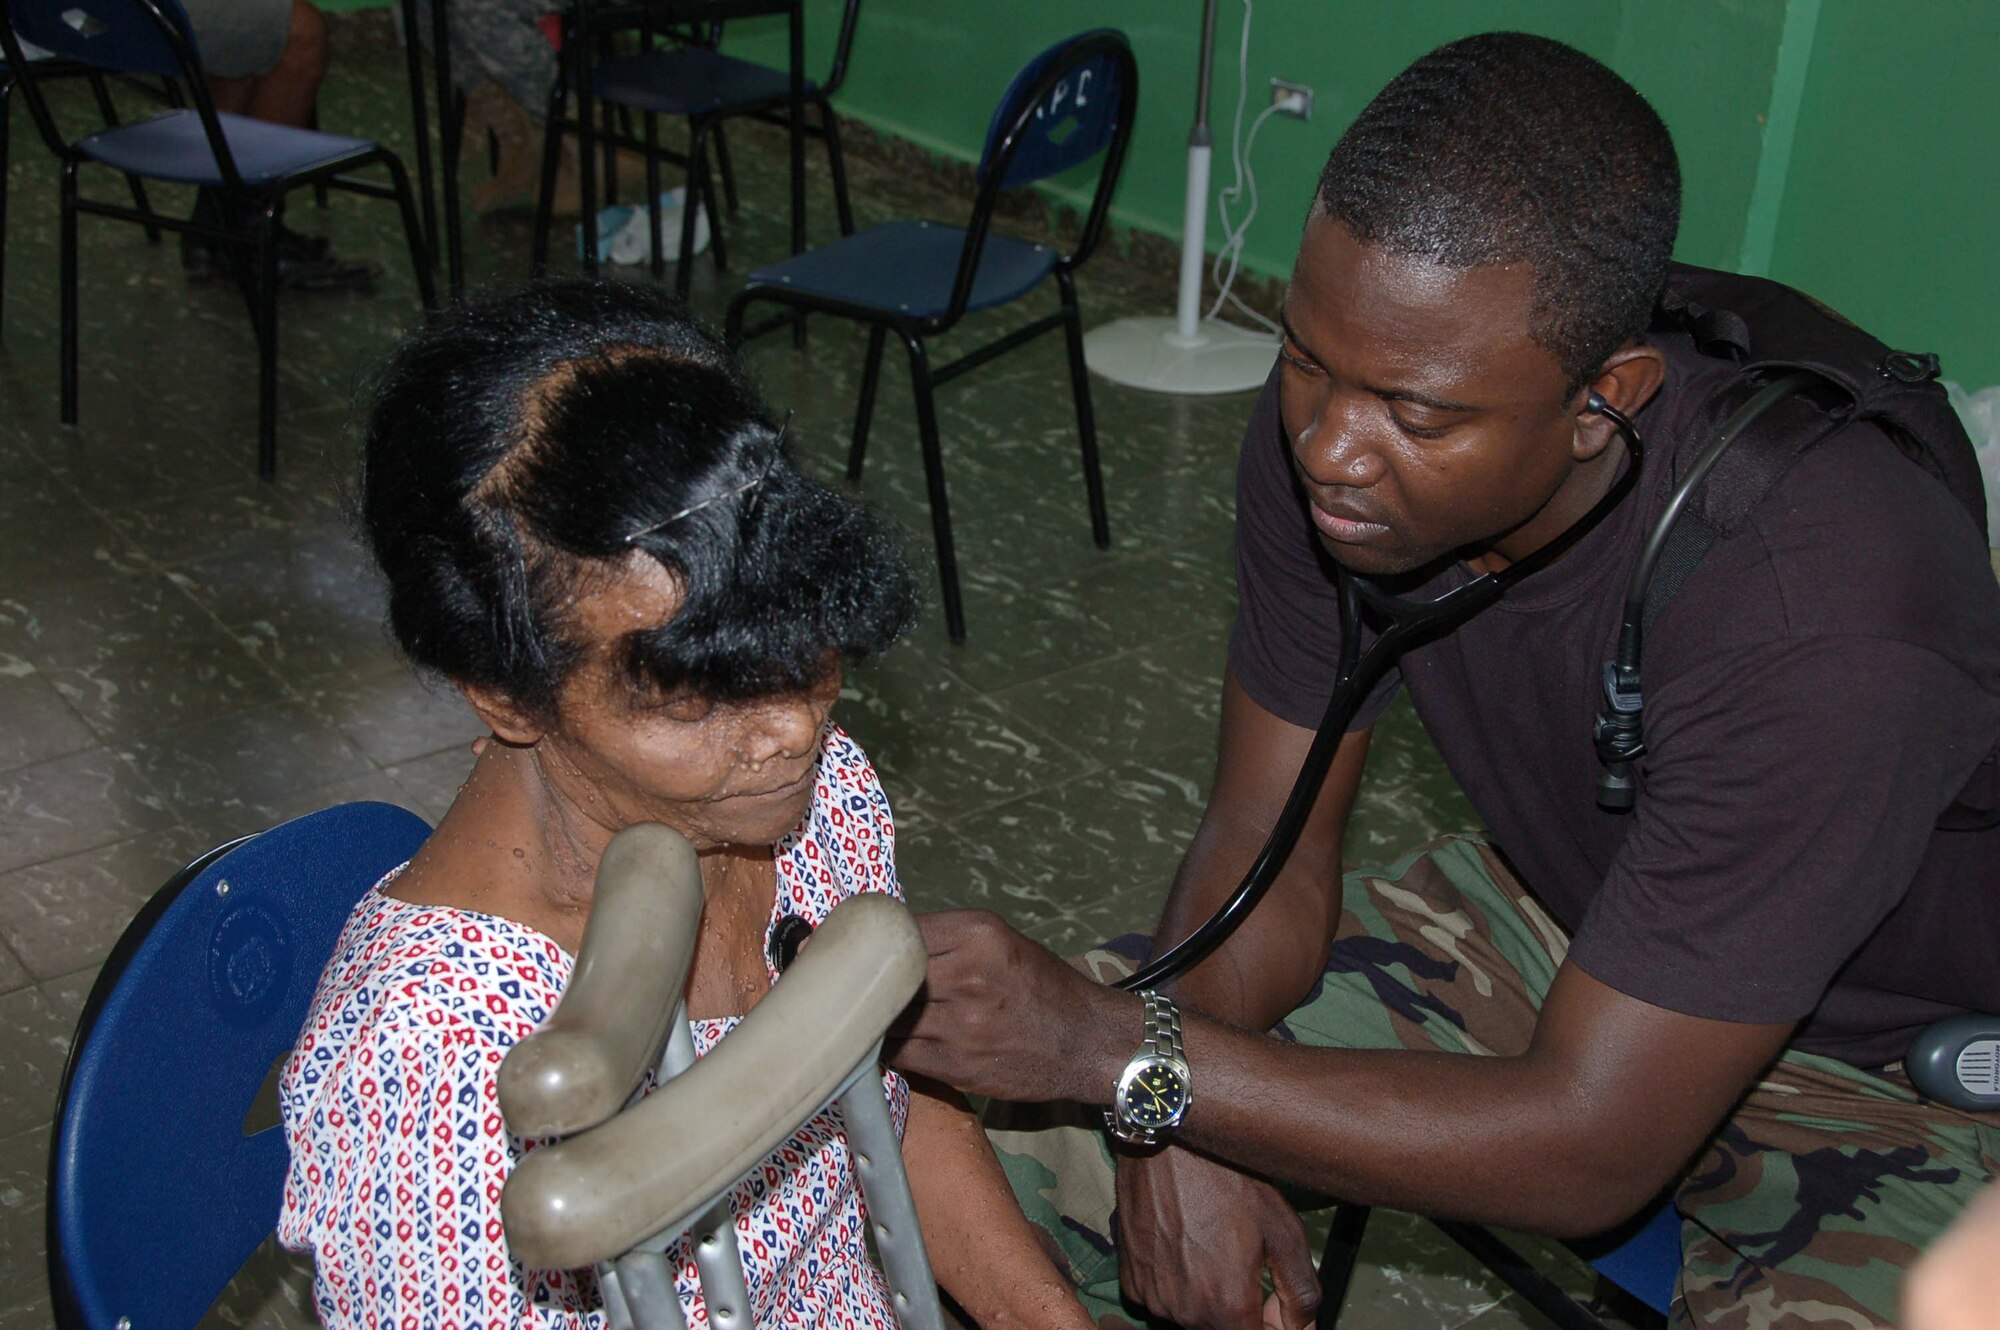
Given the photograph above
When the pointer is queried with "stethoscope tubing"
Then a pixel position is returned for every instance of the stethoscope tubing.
(1408, 625)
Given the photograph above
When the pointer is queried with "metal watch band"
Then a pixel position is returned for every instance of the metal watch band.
(1163, 1026)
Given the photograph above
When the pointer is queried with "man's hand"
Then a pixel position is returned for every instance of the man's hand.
(1194, 1238)
(1001, 1016)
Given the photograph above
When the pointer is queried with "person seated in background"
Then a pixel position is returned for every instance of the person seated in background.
(265, 59)
(588, 523)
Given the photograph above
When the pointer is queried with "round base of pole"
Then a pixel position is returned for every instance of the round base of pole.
(1148, 353)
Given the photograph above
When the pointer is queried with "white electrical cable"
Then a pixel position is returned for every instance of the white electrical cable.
(1240, 146)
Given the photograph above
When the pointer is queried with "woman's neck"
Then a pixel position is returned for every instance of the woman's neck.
(513, 844)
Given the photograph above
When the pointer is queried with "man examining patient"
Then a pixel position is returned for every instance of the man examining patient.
(1706, 999)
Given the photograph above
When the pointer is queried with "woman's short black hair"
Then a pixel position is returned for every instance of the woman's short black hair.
(1505, 148)
(525, 444)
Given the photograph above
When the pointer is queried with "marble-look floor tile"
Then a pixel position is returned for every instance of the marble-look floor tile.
(939, 745)
(235, 774)
(1130, 705)
(396, 716)
(24, 1168)
(34, 1043)
(135, 688)
(64, 914)
(247, 516)
(71, 804)
(1108, 832)
(24, 1278)
(72, 615)
(35, 723)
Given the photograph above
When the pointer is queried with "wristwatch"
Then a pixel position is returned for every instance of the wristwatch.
(1156, 1086)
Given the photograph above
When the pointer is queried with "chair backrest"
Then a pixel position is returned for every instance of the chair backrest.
(1071, 103)
(160, 1185)
(623, 1185)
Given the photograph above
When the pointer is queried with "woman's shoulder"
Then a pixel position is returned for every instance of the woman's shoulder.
(409, 967)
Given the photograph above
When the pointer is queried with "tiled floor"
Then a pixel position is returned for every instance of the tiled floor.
(187, 654)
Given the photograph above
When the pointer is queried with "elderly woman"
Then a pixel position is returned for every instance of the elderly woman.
(589, 526)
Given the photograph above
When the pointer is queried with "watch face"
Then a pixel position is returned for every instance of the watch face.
(1153, 1098)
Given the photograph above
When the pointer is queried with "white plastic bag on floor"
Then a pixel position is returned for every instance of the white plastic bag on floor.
(1980, 412)
(621, 231)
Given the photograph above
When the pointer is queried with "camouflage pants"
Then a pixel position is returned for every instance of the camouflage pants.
(1806, 1208)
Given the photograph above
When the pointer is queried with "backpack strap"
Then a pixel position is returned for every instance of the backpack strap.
(1764, 449)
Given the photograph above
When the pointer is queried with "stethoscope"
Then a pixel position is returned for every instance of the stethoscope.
(1411, 624)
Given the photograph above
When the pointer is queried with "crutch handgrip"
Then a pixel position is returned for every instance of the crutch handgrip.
(584, 1063)
(657, 1165)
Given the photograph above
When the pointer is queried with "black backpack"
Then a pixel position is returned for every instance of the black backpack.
(1810, 372)
(1768, 329)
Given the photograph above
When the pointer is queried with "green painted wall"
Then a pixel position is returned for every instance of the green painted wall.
(1892, 210)
(1809, 160)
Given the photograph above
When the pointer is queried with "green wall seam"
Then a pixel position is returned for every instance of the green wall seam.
(1781, 123)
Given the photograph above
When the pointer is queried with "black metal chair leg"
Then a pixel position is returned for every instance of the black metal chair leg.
(655, 245)
(267, 342)
(413, 61)
(67, 280)
(545, 194)
(1086, 421)
(607, 131)
(322, 196)
(727, 170)
(420, 260)
(718, 246)
(927, 433)
(684, 265)
(836, 161)
(586, 153)
(1336, 1261)
(871, 374)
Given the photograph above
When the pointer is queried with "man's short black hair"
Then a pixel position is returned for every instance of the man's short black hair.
(524, 445)
(1508, 148)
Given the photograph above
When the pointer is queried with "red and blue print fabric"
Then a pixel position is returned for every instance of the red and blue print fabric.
(398, 1152)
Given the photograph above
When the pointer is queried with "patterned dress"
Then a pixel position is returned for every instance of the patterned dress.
(398, 1151)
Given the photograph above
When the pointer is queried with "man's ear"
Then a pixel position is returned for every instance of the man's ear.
(1628, 380)
(500, 713)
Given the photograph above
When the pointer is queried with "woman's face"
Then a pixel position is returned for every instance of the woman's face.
(718, 773)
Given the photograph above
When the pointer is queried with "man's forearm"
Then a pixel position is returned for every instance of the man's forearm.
(1276, 954)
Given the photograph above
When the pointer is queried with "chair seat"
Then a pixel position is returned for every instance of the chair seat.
(690, 81)
(905, 270)
(173, 147)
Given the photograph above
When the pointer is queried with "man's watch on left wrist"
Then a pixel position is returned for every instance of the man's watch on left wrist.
(1153, 1091)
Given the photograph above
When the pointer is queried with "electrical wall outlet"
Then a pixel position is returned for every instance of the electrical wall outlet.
(1293, 99)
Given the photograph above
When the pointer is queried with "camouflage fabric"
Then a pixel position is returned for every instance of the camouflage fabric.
(1805, 1210)
(499, 40)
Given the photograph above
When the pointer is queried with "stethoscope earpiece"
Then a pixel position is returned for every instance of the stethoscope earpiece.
(1595, 403)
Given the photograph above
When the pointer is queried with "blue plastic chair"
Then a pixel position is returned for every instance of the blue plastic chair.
(157, 1196)
(1638, 1266)
(703, 86)
(250, 163)
(1069, 105)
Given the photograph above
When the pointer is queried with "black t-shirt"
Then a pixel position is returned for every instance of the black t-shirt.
(1824, 688)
